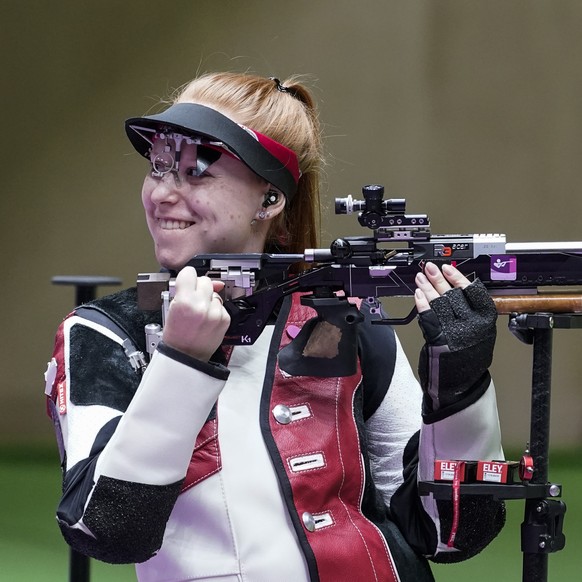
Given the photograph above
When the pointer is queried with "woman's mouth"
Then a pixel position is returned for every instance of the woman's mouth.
(167, 224)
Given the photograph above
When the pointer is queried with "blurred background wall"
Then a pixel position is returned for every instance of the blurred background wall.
(471, 110)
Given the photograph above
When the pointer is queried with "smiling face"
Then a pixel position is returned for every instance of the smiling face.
(202, 208)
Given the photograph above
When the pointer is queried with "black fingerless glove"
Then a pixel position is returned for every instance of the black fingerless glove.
(459, 331)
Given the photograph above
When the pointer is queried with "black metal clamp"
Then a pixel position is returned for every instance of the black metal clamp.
(541, 531)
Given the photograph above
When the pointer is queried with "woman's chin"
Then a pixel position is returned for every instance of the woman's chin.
(170, 261)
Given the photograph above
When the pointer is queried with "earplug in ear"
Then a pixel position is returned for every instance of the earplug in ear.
(271, 197)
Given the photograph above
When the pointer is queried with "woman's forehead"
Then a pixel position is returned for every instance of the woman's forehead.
(173, 142)
(180, 141)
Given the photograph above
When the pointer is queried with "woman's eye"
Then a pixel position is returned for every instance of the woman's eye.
(154, 172)
(162, 163)
(196, 173)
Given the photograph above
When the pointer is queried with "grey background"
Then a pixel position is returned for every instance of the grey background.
(471, 110)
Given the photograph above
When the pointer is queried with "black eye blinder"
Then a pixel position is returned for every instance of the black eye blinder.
(205, 157)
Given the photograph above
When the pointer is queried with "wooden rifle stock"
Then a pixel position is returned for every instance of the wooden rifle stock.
(564, 302)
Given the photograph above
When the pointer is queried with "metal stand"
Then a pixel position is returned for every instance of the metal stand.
(85, 290)
(541, 530)
(85, 285)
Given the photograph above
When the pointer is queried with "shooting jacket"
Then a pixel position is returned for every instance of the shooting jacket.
(236, 470)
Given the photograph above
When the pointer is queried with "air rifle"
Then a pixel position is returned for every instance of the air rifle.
(383, 264)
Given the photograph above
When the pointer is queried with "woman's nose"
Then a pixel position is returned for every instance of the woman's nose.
(167, 188)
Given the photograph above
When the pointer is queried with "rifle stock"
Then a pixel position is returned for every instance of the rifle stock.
(565, 302)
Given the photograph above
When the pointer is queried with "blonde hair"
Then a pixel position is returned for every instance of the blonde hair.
(288, 116)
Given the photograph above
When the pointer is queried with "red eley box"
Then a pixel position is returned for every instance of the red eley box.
(496, 471)
(444, 470)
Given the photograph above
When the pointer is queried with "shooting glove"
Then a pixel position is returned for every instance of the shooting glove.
(459, 331)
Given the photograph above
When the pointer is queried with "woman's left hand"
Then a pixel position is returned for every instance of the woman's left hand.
(433, 283)
(458, 321)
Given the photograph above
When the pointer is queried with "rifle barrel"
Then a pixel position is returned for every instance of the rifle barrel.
(544, 247)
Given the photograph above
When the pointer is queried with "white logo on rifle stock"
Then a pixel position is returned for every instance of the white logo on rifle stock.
(500, 264)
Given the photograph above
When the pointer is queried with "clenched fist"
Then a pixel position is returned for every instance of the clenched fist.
(196, 321)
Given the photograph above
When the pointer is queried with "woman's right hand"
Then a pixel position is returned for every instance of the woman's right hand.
(196, 320)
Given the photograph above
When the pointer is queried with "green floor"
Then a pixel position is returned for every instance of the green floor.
(31, 548)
